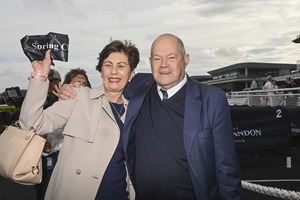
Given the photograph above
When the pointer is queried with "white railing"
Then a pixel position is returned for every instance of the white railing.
(275, 97)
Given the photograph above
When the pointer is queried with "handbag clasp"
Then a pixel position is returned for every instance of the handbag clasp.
(35, 170)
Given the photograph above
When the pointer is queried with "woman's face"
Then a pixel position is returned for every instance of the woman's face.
(116, 72)
(81, 79)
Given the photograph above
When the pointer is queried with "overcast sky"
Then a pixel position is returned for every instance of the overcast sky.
(216, 33)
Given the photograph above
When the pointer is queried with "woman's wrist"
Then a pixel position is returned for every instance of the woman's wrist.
(38, 76)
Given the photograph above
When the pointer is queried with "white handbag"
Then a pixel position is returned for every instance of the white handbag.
(20, 154)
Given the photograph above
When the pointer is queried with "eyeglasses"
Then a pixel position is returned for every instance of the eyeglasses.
(84, 84)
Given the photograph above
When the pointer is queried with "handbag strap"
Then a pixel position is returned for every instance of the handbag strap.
(37, 122)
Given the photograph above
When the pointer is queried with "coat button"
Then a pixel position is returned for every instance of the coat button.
(78, 171)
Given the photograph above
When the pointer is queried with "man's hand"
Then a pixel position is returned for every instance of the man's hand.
(66, 91)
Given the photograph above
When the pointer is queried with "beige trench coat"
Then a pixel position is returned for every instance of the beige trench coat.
(91, 135)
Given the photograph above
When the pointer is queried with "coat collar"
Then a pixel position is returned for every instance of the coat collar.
(192, 118)
(192, 89)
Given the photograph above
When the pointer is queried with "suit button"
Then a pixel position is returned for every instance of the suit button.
(78, 171)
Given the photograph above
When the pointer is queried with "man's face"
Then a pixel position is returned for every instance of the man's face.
(167, 62)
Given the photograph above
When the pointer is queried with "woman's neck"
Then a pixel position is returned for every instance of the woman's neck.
(114, 97)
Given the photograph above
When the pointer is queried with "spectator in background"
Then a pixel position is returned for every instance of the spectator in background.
(77, 75)
(289, 83)
(274, 84)
(268, 100)
(74, 76)
(268, 84)
(279, 98)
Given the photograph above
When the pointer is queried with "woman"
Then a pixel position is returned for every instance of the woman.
(274, 85)
(74, 76)
(91, 160)
(55, 140)
(77, 75)
(269, 100)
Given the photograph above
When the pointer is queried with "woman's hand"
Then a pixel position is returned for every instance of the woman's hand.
(43, 66)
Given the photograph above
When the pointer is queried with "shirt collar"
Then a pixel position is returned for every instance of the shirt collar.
(174, 89)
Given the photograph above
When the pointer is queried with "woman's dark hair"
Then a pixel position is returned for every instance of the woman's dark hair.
(125, 47)
(74, 72)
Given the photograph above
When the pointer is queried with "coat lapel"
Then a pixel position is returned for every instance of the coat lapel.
(192, 115)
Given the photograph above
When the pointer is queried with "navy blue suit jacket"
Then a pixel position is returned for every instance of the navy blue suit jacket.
(208, 138)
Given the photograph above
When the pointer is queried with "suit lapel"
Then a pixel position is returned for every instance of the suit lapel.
(192, 115)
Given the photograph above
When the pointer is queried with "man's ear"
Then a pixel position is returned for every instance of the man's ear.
(187, 59)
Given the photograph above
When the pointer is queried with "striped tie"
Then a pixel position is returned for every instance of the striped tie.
(164, 93)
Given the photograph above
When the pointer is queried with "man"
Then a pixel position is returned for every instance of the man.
(180, 144)
(182, 147)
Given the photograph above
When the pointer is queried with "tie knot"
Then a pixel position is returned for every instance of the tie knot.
(164, 93)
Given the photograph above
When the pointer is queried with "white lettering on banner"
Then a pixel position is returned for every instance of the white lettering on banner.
(64, 46)
(295, 130)
(278, 113)
(253, 133)
(239, 141)
(55, 47)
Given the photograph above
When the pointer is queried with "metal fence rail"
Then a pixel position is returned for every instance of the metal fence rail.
(275, 97)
